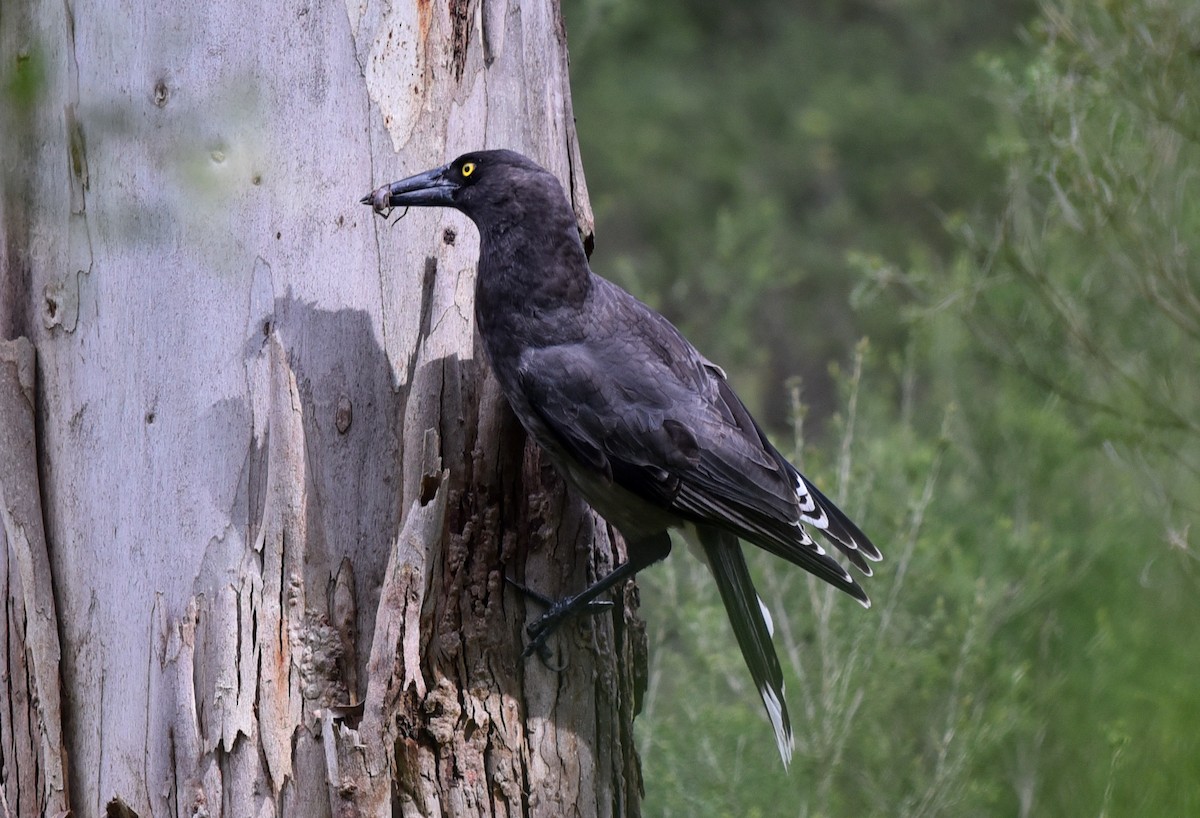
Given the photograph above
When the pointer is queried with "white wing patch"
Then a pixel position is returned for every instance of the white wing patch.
(807, 503)
(810, 512)
(805, 538)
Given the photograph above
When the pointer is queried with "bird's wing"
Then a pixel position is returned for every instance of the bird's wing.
(610, 418)
(738, 461)
(642, 408)
(792, 498)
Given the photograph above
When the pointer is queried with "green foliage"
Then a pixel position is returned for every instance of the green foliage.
(1091, 285)
(1020, 657)
(739, 154)
(1015, 225)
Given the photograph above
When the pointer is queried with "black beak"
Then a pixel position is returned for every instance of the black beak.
(433, 188)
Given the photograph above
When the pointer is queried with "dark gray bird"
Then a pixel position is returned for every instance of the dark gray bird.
(637, 420)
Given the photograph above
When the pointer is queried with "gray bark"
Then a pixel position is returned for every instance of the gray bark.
(280, 491)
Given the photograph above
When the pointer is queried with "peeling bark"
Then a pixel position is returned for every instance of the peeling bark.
(280, 490)
(31, 748)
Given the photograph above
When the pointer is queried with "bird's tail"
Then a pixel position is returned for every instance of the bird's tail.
(753, 627)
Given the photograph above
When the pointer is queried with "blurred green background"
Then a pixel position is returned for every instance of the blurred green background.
(948, 253)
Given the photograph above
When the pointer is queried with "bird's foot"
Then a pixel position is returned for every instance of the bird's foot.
(545, 625)
(558, 612)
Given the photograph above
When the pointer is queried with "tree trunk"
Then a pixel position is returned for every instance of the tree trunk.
(259, 501)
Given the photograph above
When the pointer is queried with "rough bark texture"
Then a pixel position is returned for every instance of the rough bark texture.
(31, 747)
(280, 491)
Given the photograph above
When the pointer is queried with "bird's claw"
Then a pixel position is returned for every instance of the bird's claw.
(539, 634)
(558, 611)
(538, 645)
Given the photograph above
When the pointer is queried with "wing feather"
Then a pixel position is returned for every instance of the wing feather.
(652, 416)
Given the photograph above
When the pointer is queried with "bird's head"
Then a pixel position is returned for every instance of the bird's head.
(485, 185)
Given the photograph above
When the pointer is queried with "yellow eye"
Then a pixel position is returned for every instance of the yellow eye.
(468, 168)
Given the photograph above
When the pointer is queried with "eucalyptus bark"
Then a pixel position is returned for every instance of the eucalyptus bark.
(258, 491)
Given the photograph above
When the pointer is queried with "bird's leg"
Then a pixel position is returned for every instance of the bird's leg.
(596, 606)
(642, 553)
